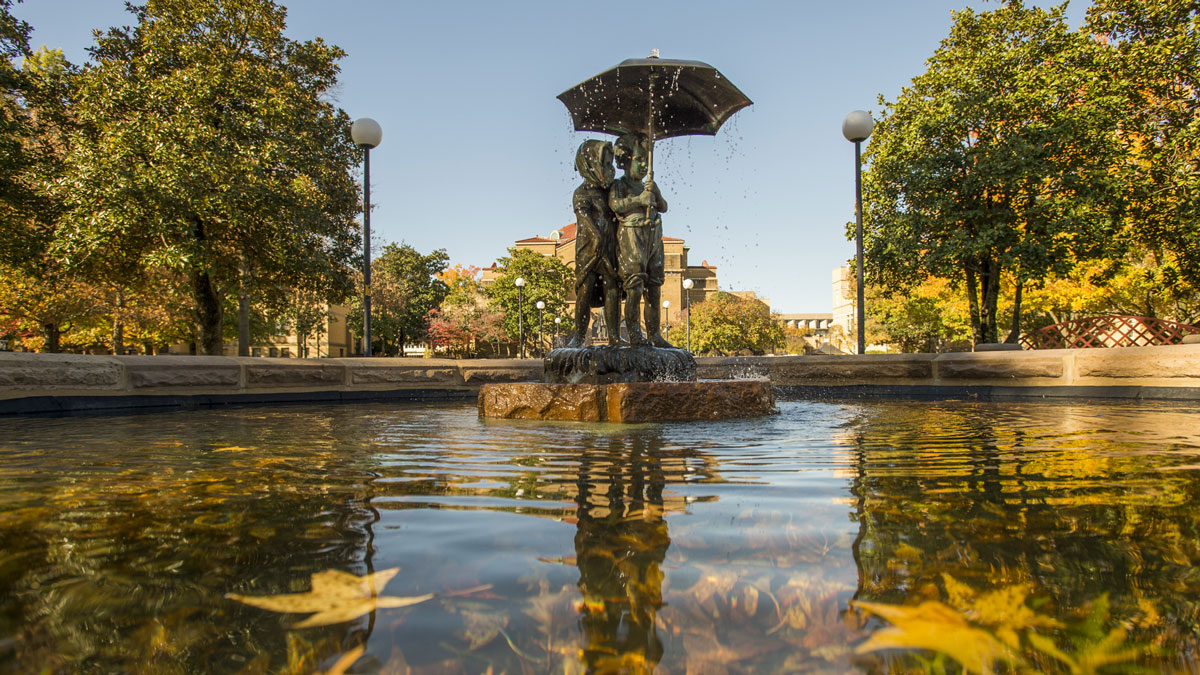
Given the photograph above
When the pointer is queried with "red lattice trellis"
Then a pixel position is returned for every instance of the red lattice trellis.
(1111, 330)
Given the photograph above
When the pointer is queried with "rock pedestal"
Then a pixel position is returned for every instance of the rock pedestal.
(628, 402)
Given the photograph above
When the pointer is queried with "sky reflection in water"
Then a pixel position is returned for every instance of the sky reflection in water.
(730, 546)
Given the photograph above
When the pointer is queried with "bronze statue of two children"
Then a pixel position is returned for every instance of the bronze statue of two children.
(618, 244)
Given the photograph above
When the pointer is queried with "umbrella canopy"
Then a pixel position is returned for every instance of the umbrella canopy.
(658, 98)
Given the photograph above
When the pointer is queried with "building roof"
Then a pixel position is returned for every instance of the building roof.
(665, 238)
(568, 233)
(534, 240)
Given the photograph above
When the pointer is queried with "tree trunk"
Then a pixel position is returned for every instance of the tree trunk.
(1015, 334)
(243, 314)
(208, 304)
(989, 282)
(53, 334)
(118, 338)
(973, 303)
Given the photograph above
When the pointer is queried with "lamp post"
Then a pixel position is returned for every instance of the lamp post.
(366, 134)
(857, 128)
(667, 315)
(540, 306)
(520, 284)
(557, 323)
(687, 310)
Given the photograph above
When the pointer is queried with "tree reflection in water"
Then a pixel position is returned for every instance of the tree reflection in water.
(1034, 530)
(1093, 528)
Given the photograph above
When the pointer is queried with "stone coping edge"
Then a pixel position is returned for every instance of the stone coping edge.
(84, 405)
(50, 383)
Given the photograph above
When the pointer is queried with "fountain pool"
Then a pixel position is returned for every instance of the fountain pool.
(1020, 535)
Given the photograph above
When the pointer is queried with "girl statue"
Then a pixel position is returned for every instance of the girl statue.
(596, 281)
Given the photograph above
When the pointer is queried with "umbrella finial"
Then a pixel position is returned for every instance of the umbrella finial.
(653, 53)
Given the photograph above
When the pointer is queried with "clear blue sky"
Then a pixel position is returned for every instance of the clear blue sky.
(477, 152)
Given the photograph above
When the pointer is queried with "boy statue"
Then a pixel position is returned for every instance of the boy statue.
(637, 206)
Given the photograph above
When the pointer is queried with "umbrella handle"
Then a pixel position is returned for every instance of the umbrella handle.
(650, 168)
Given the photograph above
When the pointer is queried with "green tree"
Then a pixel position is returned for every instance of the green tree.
(546, 279)
(15, 194)
(406, 285)
(993, 162)
(1151, 67)
(726, 324)
(208, 145)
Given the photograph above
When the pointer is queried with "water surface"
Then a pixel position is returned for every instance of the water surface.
(1028, 537)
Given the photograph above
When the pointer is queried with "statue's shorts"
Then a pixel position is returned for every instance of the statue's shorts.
(640, 253)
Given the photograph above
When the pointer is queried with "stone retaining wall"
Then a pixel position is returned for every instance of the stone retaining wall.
(32, 383)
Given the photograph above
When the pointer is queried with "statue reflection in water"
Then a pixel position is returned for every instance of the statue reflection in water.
(620, 545)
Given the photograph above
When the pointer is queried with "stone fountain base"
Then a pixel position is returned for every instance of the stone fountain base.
(605, 364)
(628, 402)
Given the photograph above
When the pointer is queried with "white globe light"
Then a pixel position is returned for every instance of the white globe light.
(857, 126)
(520, 283)
(366, 132)
(666, 304)
(688, 283)
(541, 305)
(558, 319)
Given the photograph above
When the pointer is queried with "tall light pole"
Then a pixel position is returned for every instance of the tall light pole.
(366, 134)
(687, 310)
(540, 306)
(557, 323)
(667, 316)
(520, 284)
(857, 127)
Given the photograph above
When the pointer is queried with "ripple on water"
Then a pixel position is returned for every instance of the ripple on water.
(684, 545)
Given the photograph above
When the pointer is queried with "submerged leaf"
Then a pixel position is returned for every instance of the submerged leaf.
(336, 597)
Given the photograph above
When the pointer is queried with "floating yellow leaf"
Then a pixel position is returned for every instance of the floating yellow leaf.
(936, 627)
(1003, 609)
(335, 597)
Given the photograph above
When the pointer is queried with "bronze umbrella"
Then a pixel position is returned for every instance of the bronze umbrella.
(657, 98)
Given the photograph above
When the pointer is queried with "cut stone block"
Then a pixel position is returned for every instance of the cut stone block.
(627, 401)
(688, 401)
(539, 401)
(24, 371)
(999, 365)
(294, 374)
(1175, 361)
(167, 372)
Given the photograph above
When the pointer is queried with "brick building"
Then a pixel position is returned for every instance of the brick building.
(561, 244)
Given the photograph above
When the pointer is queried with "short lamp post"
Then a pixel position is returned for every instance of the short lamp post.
(540, 306)
(520, 284)
(366, 134)
(687, 311)
(667, 316)
(557, 325)
(857, 127)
